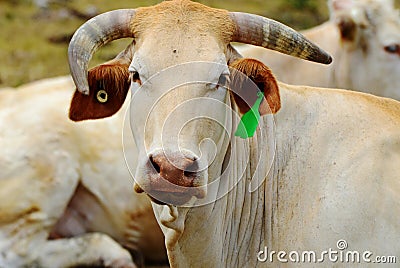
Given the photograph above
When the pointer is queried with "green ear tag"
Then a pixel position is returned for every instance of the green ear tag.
(249, 122)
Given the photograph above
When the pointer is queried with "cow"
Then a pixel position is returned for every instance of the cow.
(66, 196)
(319, 174)
(364, 39)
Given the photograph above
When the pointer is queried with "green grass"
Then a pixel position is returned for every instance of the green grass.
(26, 53)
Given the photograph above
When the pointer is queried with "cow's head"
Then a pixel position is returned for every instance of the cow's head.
(370, 39)
(176, 43)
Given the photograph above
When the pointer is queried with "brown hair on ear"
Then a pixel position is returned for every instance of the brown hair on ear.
(262, 77)
(347, 28)
(108, 87)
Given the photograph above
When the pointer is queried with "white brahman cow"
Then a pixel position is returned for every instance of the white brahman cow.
(65, 191)
(363, 38)
(331, 184)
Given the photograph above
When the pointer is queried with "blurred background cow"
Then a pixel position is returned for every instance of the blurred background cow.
(66, 195)
(363, 36)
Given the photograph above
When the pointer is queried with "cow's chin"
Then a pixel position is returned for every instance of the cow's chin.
(174, 199)
(168, 194)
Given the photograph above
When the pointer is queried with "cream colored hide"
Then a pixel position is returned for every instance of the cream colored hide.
(363, 38)
(66, 196)
(335, 171)
(335, 177)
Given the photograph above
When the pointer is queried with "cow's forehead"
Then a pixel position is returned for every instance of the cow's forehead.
(383, 16)
(183, 18)
(388, 31)
(157, 52)
(168, 35)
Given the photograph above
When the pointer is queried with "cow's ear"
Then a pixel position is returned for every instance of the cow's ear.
(108, 86)
(245, 92)
(350, 17)
(347, 28)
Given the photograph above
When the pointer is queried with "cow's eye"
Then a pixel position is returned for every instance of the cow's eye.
(392, 49)
(102, 96)
(134, 77)
(223, 80)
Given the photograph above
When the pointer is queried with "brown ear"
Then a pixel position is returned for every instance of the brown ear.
(245, 94)
(347, 28)
(109, 85)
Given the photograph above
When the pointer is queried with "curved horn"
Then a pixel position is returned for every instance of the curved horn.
(260, 31)
(93, 34)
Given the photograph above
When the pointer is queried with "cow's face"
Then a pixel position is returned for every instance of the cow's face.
(180, 132)
(370, 39)
(177, 74)
(182, 110)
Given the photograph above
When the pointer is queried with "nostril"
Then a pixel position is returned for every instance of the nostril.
(155, 165)
(189, 174)
(191, 170)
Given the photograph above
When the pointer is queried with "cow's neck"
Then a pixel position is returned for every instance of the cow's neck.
(215, 235)
(232, 230)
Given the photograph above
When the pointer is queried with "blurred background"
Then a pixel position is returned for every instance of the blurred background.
(34, 34)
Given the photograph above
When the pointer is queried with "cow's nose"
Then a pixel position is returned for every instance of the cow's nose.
(180, 171)
(172, 179)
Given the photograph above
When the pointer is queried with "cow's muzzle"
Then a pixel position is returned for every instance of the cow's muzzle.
(172, 179)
